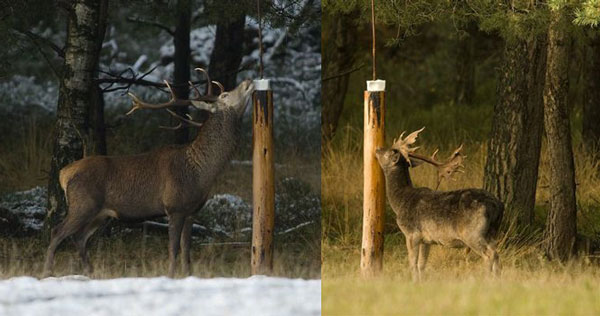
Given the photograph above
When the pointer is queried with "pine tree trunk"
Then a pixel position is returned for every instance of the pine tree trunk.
(227, 54)
(591, 105)
(465, 67)
(181, 72)
(561, 226)
(76, 90)
(337, 59)
(511, 169)
(98, 126)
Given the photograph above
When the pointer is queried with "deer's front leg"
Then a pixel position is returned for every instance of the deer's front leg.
(412, 245)
(423, 255)
(175, 227)
(186, 240)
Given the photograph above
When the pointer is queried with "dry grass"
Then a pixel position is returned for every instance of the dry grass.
(133, 255)
(24, 162)
(529, 285)
(342, 198)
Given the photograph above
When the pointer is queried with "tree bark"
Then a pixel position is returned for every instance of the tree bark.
(98, 126)
(76, 90)
(181, 72)
(561, 225)
(511, 169)
(227, 54)
(591, 105)
(464, 92)
(337, 59)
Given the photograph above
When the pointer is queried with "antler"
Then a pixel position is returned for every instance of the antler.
(445, 169)
(402, 145)
(198, 101)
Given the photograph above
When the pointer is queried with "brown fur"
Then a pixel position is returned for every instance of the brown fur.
(469, 217)
(172, 181)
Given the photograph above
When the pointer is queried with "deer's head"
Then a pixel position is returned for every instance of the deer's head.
(236, 99)
(403, 155)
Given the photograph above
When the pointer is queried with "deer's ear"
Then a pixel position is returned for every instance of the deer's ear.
(395, 157)
(415, 162)
(201, 105)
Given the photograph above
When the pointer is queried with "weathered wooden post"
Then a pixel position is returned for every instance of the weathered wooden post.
(371, 261)
(263, 187)
(263, 166)
(371, 255)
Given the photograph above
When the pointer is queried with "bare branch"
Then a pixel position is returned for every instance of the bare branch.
(152, 23)
(35, 38)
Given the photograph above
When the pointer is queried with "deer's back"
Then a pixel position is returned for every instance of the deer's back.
(446, 217)
(135, 186)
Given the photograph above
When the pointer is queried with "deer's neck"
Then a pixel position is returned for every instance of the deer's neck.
(397, 181)
(214, 145)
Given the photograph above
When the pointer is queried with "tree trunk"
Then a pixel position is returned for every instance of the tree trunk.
(561, 226)
(465, 66)
(227, 54)
(98, 126)
(337, 61)
(181, 73)
(511, 169)
(76, 90)
(591, 105)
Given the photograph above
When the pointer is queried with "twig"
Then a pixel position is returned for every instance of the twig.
(152, 23)
(35, 37)
(344, 73)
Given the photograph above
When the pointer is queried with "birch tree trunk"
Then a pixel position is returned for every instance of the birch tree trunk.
(76, 91)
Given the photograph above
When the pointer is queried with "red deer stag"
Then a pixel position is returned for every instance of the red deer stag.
(174, 180)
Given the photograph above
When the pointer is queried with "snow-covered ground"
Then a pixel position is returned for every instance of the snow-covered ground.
(78, 295)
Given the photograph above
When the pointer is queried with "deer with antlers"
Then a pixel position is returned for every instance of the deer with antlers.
(172, 181)
(462, 218)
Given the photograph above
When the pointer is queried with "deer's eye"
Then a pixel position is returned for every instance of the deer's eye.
(224, 95)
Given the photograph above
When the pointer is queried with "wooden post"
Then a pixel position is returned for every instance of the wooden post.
(371, 259)
(263, 187)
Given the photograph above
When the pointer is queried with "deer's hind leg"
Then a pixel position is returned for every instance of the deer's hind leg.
(486, 251)
(77, 217)
(82, 237)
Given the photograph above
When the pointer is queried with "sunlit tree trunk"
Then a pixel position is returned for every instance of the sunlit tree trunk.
(561, 226)
(591, 105)
(338, 59)
(76, 91)
(511, 169)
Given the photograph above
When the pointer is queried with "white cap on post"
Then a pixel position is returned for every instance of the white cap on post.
(262, 85)
(376, 85)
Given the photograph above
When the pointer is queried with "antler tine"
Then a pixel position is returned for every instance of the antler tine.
(139, 104)
(221, 88)
(187, 120)
(208, 82)
(196, 92)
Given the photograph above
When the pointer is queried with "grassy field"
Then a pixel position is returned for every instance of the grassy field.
(529, 285)
(24, 162)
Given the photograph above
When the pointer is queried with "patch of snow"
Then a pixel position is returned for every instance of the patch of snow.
(29, 206)
(76, 295)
